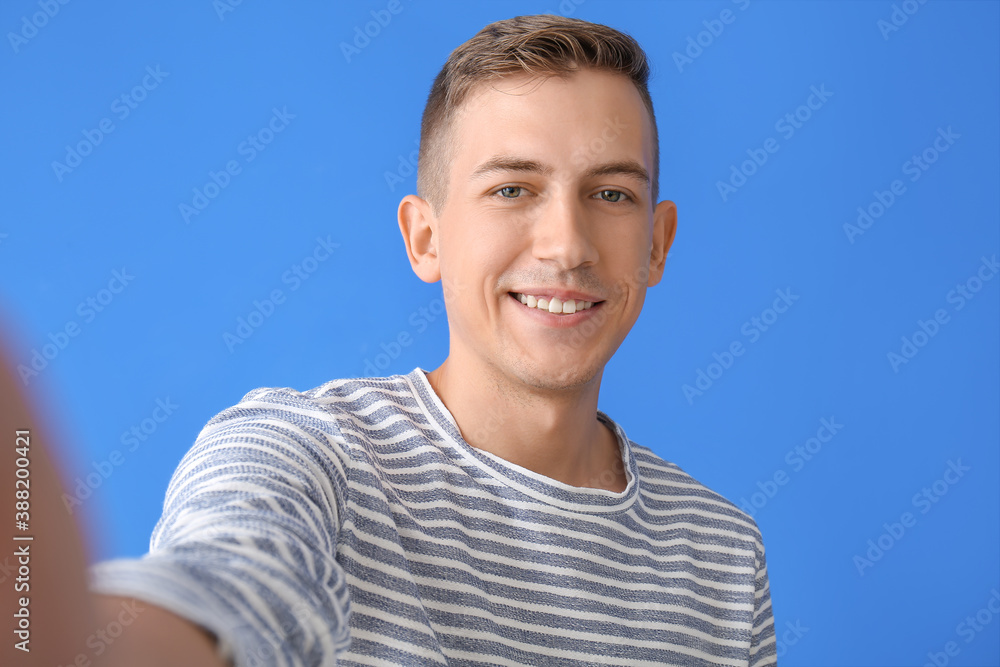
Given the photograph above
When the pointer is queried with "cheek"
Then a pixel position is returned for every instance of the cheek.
(471, 265)
(479, 249)
(628, 264)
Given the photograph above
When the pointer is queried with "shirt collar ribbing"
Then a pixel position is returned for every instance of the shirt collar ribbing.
(535, 485)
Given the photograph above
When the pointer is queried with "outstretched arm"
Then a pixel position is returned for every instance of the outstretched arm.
(44, 596)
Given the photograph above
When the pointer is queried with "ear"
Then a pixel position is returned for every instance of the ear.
(419, 227)
(664, 228)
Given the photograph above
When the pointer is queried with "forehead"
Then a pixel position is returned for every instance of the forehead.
(572, 122)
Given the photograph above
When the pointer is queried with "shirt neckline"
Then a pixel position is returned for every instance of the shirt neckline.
(538, 487)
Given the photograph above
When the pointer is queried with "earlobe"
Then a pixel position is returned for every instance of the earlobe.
(664, 228)
(419, 229)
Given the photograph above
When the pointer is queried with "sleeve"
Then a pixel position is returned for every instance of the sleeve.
(763, 650)
(246, 543)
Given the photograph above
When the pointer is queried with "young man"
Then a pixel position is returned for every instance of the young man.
(485, 513)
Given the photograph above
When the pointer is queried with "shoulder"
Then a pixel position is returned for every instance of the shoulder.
(314, 407)
(666, 486)
(285, 441)
(321, 418)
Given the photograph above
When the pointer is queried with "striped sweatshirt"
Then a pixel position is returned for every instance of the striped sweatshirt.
(352, 524)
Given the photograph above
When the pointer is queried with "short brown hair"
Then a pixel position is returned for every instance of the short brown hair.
(543, 45)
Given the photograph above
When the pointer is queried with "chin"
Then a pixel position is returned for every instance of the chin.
(553, 374)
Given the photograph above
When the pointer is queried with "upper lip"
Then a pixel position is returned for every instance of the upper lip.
(561, 294)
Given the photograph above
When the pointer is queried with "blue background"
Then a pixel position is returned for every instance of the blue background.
(339, 168)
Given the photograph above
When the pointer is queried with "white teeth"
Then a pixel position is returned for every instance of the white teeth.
(554, 305)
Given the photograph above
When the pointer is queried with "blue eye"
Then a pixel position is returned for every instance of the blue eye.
(505, 191)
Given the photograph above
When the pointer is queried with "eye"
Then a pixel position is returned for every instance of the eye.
(510, 191)
(613, 196)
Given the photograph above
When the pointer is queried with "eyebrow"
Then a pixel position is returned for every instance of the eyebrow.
(508, 163)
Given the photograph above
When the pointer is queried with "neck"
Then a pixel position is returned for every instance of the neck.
(554, 433)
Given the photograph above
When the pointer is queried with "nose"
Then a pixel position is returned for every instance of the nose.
(562, 234)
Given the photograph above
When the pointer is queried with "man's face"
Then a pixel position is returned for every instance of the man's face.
(548, 198)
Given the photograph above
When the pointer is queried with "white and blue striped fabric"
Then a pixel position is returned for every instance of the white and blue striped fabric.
(351, 524)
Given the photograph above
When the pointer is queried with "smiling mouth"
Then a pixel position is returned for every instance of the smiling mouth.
(553, 304)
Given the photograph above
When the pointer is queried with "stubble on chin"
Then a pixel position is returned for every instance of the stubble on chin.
(561, 372)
